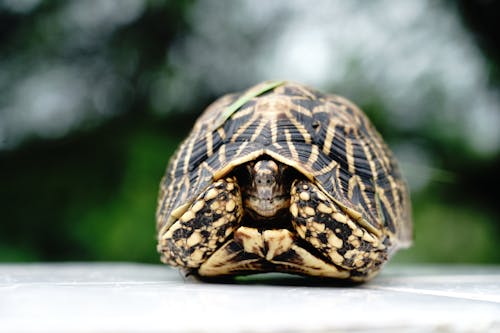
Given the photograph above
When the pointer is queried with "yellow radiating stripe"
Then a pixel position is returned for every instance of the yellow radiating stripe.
(389, 208)
(330, 133)
(382, 152)
(301, 128)
(327, 168)
(300, 109)
(184, 194)
(274, 130)
(277, 146)
(258, 130)
(244, 127)
(336, 182)
(241, 148)
(221, 132)
(370, 159)
(313, 157)
(210, 143)
(349, 152)
(207, 167)
(353, 181)
(222, 155)
(187, 155)
(290, 145)
(362, 189)
(395, 192)
(397, 200)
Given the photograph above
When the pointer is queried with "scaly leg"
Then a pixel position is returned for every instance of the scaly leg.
(204, 226)
(333, 233)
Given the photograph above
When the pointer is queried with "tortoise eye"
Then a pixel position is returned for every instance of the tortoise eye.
(267, 181)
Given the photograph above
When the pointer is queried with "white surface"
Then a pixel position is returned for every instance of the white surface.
(154, 298)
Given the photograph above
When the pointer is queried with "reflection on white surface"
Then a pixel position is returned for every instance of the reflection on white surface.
(147, 298)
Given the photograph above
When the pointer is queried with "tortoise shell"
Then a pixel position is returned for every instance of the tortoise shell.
(340, 159)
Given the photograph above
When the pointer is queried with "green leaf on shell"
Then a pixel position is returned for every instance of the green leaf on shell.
(247, 96)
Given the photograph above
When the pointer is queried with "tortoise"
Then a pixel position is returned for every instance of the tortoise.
(283, 178)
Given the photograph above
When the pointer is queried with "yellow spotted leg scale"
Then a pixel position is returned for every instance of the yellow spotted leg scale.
(204, 226)
(334, 234)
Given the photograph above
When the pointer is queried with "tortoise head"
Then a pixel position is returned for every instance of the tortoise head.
(266, 191)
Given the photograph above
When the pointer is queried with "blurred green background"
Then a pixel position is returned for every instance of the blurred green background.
(96, 95)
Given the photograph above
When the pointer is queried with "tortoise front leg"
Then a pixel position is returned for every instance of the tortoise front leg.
(334, 234)
(204, 226)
